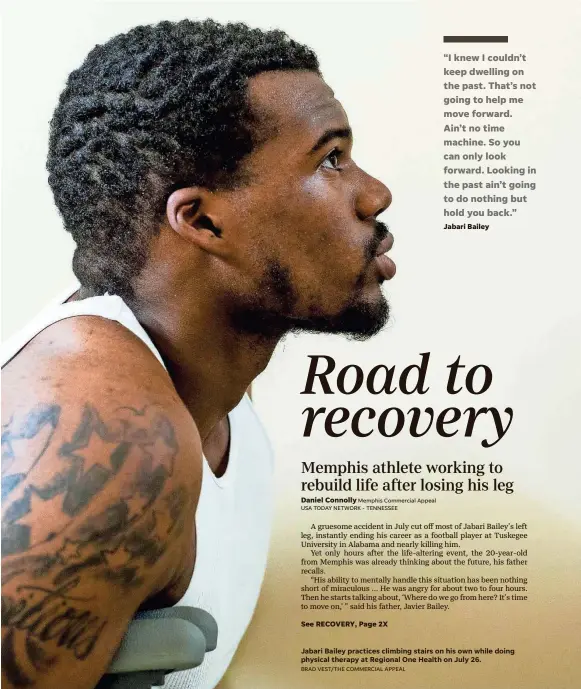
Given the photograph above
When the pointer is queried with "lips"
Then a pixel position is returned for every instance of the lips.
(385, 245)
(385, 266)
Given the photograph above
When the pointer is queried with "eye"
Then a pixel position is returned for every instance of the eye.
(331, 160)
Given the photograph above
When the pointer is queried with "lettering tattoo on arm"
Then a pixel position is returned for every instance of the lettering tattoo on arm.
(106, 516)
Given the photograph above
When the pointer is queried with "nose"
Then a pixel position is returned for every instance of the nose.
(373, 197)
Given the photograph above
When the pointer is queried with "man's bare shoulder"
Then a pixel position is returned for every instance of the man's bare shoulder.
(101, 472)
(91, 343)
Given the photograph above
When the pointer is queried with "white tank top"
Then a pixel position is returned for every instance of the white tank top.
(234, 512)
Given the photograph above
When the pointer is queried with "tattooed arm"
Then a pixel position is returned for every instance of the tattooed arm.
(100, 480)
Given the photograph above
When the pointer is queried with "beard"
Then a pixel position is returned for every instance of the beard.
(359, 320)
(269, 313)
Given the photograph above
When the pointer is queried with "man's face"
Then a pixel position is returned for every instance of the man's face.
(306, 229)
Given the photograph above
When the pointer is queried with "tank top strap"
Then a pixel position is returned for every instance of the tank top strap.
(107, 306)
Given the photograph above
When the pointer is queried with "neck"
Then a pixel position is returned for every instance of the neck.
(210, 363)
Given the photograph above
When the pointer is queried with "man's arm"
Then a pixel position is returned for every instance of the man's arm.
(100, 481)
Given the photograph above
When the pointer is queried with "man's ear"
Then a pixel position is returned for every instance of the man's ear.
(193, 213)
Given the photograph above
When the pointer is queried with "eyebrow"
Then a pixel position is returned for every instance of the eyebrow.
(330, 134)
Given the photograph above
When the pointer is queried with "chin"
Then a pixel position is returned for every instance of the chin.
(271, 311)
(358, 321)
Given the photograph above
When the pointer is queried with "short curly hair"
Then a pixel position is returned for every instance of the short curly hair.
(155, 109)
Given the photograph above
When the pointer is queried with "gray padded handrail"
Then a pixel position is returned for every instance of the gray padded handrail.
(157, 642)
(197, 616)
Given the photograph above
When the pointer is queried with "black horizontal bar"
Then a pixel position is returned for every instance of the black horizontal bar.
(475, 39)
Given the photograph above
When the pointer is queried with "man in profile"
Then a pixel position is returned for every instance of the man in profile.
(205, 174)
